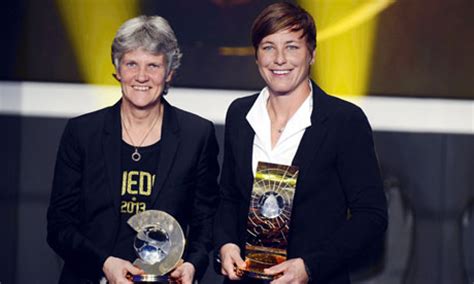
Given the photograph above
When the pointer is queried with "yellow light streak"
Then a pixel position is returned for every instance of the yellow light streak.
(365, 12)
(91, 26)
(346, 31)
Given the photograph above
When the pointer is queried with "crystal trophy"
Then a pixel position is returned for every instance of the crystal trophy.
(159, 245)
(268, 219)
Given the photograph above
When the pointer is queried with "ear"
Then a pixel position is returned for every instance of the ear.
(256, 60)
(313, 57)
(117, 77)
(169, 76)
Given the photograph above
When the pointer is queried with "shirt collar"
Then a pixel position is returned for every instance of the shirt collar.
(259, 118)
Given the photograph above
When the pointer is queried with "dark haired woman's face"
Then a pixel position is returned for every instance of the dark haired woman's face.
(284, 61)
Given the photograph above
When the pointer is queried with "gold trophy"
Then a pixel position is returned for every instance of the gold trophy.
(159, 245)
(268, 219)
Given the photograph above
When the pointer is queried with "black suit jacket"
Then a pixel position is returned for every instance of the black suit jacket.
(338, 174)
(83, 215)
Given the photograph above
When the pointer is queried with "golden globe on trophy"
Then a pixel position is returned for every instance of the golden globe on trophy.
(268, 219)
(159, 245)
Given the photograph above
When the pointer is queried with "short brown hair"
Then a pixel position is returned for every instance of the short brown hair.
(282, 16)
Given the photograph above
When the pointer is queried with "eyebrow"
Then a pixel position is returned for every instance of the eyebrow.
(286, 42)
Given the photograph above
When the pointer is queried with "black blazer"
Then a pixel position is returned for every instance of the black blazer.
(83, 215)
(338, 174)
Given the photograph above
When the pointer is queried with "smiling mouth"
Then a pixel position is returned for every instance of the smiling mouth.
(141, 88)
(280, 72)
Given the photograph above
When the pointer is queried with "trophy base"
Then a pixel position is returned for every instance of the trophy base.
(150, 278)
(257, 262)
(255, 274)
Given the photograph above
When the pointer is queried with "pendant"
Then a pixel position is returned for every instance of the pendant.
(136, 156)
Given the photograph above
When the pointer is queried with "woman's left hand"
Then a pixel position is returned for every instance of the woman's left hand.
(292, 271)
(184, 273)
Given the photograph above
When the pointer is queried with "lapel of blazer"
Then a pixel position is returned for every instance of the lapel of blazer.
(168, 147)
(244, 149)
(314, 135)
(247, 152)
(111, 145)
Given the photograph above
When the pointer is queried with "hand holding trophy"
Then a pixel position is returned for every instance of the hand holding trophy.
(268, 221)
(159, 245)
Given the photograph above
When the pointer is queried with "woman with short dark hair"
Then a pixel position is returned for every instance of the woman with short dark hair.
(293, 122)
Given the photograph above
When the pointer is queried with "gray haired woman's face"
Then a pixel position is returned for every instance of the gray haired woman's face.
(143, 77)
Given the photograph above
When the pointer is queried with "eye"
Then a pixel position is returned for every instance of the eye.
(267, 47)
(154, 66)
(130, 64)
(292, 47)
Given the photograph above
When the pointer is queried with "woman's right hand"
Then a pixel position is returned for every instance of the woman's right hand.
(230, 260)
(116, 270)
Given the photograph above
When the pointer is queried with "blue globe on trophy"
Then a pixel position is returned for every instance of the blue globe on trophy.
(159, 245)
(271, 204)
(152, 244)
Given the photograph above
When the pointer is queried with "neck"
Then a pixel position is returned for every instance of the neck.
(135, 117)
(141, 127)
(281, 107)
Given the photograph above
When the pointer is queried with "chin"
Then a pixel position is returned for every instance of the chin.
(279, 89)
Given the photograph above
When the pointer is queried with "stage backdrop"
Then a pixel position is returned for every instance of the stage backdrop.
(408, 64)
(417, 48)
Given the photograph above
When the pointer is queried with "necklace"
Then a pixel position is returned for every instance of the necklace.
(272, 114)
(136, 156)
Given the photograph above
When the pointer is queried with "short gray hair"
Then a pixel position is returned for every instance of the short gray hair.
(151, 33)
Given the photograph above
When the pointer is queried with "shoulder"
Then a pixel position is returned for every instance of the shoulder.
(346, 118)
(91, 118)
(344, 108)
(191, 122)
(240, 107)
(90, 124)
(335, 107)
(243, 103)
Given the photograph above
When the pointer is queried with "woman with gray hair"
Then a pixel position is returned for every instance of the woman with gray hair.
(140, 154)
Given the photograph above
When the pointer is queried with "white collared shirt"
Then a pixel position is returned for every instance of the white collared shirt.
(285, 149)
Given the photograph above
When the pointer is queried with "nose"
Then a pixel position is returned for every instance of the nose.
(142, 75)
(280, 57)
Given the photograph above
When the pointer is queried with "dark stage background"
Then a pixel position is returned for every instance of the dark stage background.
(418, 49)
